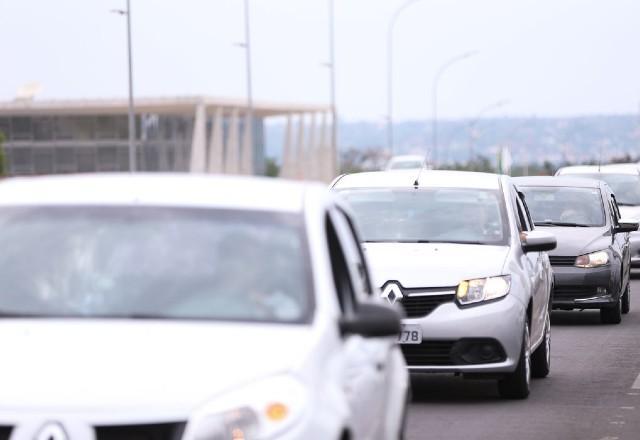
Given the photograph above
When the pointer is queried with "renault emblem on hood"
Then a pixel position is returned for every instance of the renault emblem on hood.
(52, 431)
(392, 292)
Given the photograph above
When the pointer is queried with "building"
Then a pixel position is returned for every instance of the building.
(183, 134)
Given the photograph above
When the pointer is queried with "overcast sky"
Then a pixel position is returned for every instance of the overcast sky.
(547, 57)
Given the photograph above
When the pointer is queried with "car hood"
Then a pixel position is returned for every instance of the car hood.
(578, 241)
(119, 367)
(433, 264)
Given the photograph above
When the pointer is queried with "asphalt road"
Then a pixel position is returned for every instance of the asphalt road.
(588, 395)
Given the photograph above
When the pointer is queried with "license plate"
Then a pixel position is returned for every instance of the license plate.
(410, 334)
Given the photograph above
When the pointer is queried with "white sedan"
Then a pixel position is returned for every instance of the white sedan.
(190, 307)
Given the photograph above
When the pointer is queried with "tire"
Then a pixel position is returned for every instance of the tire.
(612, 315)
(626, 299)
(541, 358)
(516, 385)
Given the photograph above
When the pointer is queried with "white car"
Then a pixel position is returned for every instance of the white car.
(624, 181)
(190, 307)
(406, 162)
(460, 252)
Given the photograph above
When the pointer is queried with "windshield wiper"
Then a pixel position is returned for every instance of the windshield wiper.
(569, 224)
(627, 204)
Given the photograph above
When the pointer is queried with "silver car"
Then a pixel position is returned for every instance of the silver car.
(624, 181)
(460, 253)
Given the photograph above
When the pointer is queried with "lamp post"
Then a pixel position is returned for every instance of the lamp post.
(332, 86)
(476, 119)
(132, 124)
(247, 47)
(390, 29)
(436, 83)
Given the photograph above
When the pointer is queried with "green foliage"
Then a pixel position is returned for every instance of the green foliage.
(272, 169)
(3, 157)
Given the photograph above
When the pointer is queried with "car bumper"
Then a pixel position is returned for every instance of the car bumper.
(448, 327)
(581, 288)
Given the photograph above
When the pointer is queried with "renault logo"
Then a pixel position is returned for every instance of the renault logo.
(52, 431)
(392, 292)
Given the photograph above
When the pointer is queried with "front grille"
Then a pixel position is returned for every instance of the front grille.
(421, 305)
(5, 432)
(428, 353)
(570, 293)
(159, 431)
(562, 261)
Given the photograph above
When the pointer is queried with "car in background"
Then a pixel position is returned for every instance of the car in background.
(407, 162)
(460, 253)
(191, 307)
(592, 261)
(624, 181)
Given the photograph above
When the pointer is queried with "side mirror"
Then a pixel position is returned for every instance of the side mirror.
(538, 241)
(372, 320)
(626, 225)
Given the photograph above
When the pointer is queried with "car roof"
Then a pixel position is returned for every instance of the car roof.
(158, 189)
(407, 157)
(428, 178)
(576, 182)
(604, 169)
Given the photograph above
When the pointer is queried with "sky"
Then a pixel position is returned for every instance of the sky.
(545, 57)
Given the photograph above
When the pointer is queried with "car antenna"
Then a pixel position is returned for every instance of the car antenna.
(416, 183)
(600, 158)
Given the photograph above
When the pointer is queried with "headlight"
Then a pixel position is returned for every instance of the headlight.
(594, 259)
(260, 410)
(483, 289)
(237, 424)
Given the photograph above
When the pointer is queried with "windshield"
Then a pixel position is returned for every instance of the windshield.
(405, 165)
(429, 215)
(174, 263)
(564, 206)
(626, 187)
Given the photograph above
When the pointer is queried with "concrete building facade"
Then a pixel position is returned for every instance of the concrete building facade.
(182, 134)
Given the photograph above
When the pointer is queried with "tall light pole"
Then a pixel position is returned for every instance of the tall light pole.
(436, 82)
(332, 86)
(493, 106)
(390, 29)
(247, 47)
(132, 121)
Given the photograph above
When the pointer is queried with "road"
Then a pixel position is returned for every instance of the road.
(589, 394)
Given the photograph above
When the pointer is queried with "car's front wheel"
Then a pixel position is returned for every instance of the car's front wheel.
(541, 358)
(516, 385)
(612, 315)
(626, 299)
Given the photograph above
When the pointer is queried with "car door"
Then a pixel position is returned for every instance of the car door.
(535, 267)
(364, 362)
(621, 243)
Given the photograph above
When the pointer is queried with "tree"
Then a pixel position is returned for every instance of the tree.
(272, 168)
(3, 159)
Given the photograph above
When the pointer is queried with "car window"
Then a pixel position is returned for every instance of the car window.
(626, 187)
(615, 210)
(339, 267)
(565, 206)
(154, 262)
(353, 252)
(518, 211)
(432, 214)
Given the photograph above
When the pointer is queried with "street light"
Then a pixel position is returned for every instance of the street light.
(246, 45)
(392, 24)
(132, 125)
(493, 106)
(436, 82)
(332, 82)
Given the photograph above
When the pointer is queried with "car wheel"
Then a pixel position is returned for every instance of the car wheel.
(612, 315)
(516, 385)
(626, 299)
(541, 358)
